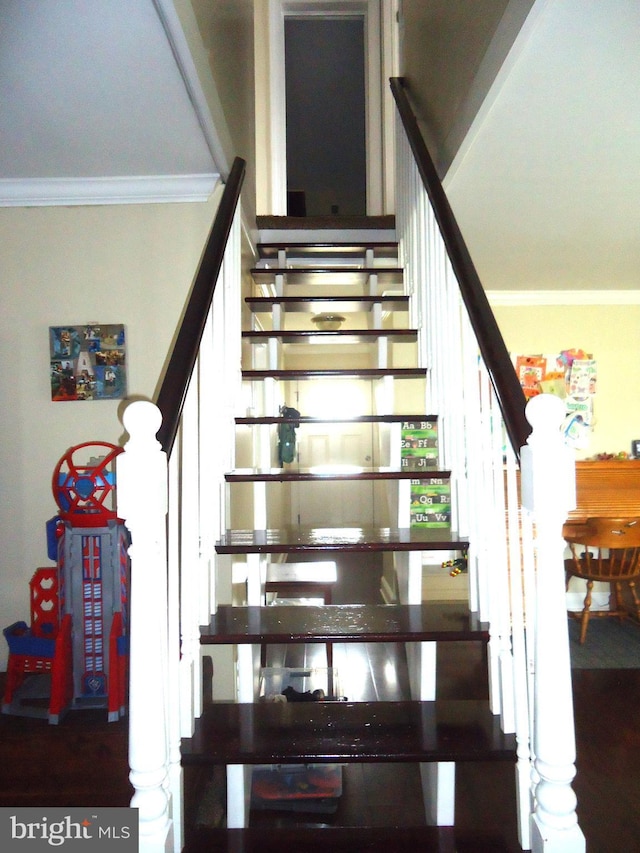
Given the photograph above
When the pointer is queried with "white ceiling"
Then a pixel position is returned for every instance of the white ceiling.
(546, 186)
(94, 107)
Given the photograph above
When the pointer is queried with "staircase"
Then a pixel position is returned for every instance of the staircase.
(314, 509)
(216, 515)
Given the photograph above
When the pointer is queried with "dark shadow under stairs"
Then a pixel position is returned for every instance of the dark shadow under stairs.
(379, 795)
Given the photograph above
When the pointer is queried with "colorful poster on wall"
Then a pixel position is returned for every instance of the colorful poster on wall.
(570, 375)
(87, 362)
(531, 370)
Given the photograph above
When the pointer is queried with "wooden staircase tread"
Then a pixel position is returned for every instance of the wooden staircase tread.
(281, 475)
(341, 222)
(381, 623)
(342, 336)
(359, 272)
(351, 276)
(313, 249)
(314, 304)
(363, 419)
(325, 839)
(338, 373)
(299, 732)
(295, 540)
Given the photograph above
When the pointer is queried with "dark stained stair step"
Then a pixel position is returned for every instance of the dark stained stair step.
(339, 336)
(299, 732)
(362, 419)
(383, 623)
(327, 275)
(327, 250)
(340, 373)
(313, 540)
(333, 222)
(315, 304)
(349, 472)
(327, 839)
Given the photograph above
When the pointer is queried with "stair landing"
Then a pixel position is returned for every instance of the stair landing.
(318, 223)
(326, 229)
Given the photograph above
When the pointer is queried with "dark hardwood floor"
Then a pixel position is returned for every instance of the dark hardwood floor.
(83, 761)
(80, 762)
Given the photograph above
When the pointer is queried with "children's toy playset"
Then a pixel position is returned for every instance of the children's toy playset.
(74, 652)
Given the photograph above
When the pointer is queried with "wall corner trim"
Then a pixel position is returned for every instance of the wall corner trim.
(145, 189)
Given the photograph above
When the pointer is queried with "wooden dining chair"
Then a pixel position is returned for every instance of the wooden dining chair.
(605, 550)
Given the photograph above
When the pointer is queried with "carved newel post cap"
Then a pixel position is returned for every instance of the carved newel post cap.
(142, 468)
(547, 465)
(142, 420)
(545, 413)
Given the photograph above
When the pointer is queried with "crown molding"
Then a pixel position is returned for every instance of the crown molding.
(516, 298)
(88, 191)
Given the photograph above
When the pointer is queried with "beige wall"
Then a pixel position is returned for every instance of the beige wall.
(451, 52)
(264, 204)
(612, 334)
(132, 264)
(226, 30)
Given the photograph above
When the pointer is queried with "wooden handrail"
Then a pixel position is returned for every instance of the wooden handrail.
(490, 341)
(173, 390)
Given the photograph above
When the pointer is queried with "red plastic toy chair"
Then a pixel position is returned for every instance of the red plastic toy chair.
(43, 647)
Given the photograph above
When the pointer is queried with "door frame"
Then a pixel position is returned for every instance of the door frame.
(370, 11)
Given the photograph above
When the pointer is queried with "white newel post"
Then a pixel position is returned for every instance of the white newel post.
(548, 492)
(142, 503)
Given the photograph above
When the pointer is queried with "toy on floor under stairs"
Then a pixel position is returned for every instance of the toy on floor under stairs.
(456, 567)
(75, 652)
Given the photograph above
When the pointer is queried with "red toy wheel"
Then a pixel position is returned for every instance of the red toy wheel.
(85, 490)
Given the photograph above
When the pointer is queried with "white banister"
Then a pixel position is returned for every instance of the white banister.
(174, 505)
(548, 492)
(518, 589)
(190, 670)
(142, 504)
(517, 543)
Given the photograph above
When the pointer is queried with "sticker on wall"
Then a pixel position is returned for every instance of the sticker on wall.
(570, 375)
(87, 362)
(531, 370)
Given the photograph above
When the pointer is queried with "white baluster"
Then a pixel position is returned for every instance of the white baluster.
(518, 626)
(376, 315)
(548, 491)
(142, 503)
